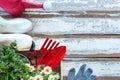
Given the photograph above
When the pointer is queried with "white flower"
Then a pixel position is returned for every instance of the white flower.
(47, 70)
(38, 77)
(31, 78)
(57, 76)
(27, 64)
(31, 68)
(51, 77)
(42, 73)
(21, 79)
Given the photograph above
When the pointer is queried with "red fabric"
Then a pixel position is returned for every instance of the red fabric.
(16, 7)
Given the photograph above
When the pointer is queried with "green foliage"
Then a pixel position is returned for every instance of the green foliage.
(12, 67)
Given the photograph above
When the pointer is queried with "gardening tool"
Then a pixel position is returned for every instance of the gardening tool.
(47, 46)
(82, 74)
(17, 25)
(54, 57)
(16, 7)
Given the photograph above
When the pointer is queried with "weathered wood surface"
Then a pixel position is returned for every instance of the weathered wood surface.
(76, 6)
(64, 25)
(81, 5)
(72, 33)
(88, 28)
(68, 31)
(102, 67)
(87, 45)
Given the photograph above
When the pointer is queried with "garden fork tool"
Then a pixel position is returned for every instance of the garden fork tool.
(16, 7)
(47, 46)
(54, 57)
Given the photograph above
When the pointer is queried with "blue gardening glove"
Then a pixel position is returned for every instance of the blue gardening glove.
(82, 74)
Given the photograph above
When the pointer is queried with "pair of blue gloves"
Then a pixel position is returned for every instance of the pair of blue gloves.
(83, 74)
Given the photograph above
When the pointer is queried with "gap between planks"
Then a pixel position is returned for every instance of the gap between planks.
(99, 55)
(80, 15)
(100, 78)
(76, 35)
(74, 14)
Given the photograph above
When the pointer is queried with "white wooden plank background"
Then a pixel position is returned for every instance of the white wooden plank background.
(65, 25)
(86, 45)
(78, 5)
(78, 25)
(85, 27)
(101, 66)
(75, 5)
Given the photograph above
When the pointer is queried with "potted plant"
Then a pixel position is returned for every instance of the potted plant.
(14, 66)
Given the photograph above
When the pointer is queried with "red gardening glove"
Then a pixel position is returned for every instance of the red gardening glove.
(55, 57)
(16, 7)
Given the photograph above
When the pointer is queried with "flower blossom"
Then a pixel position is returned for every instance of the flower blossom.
(51, 77)
(38, 77)
(31, 68)
(47, 70)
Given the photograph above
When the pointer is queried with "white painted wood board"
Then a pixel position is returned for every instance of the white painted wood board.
(82, 5)
(101, 67)
(65, 25)
(78, 5)
(86, 46)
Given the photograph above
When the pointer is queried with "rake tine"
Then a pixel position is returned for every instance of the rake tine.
(52, 45)
(56, 45)
(48, 44)
(44, 44)
(46, 48)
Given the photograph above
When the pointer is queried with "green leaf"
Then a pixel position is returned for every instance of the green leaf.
(12, 65)
(12, 76)
(7, 76)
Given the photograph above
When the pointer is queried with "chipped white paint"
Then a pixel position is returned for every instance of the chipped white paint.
(95, 1)
(100, 67)
(63, 25)
(81, 5)
(86, 45)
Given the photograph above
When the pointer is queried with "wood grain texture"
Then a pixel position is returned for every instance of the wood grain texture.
(82, 5)
(86, 46)
(88, 28)
(78, 6)
(64, 25)
(108, 67)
